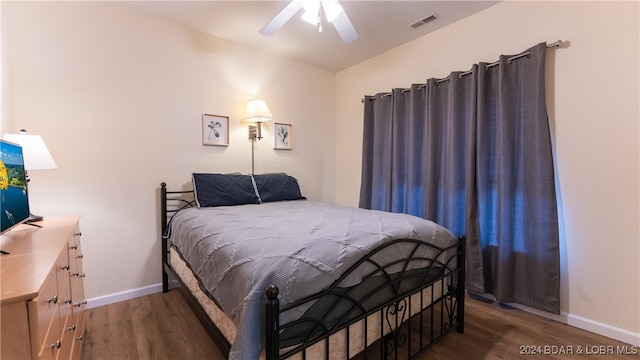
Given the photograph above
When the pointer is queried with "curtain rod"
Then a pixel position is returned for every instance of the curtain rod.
(556, 45)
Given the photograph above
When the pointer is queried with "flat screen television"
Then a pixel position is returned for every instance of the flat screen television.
(14, 205)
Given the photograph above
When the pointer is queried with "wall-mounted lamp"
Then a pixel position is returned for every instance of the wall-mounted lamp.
(257, 112)
(35, 153)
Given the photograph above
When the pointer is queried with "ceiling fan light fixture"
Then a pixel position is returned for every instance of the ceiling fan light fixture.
(311, 11)
(334, 13)
(332, 9)
(310, 17)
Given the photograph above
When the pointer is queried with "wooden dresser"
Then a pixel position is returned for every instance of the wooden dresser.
(42, 291)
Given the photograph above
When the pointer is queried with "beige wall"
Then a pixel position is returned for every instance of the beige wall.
(118, 98)
(593, 102)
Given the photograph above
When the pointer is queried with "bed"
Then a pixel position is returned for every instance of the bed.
(273, 275)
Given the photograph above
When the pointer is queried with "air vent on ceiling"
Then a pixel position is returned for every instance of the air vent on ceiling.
(426, 20)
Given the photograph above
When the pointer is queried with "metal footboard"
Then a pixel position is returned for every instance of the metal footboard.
(406, 325)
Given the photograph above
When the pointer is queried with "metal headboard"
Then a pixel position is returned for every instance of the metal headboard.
(173, 201)
(170, 203)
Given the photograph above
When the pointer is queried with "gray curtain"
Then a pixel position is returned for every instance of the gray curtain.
(473, 153)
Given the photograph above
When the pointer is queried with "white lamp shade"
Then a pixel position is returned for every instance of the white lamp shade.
(257, 111)
(34, 151)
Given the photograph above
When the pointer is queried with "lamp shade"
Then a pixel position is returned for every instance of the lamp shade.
(257, 111)
(34, 151)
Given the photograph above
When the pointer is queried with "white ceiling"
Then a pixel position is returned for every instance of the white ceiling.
(381, 25)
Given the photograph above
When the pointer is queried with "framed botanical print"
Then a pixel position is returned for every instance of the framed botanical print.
(282, 136)
(215, 130)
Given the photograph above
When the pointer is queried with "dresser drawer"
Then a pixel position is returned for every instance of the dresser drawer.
(77, 282)
(50, 347)
(66, 318)
(68, 331)
(75, 251)
(78, 337)
(43, 317)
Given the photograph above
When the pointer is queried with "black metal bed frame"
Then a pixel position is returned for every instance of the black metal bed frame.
(407, 335)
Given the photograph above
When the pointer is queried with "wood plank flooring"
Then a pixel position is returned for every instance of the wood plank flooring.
(157, 326)
(162, 326)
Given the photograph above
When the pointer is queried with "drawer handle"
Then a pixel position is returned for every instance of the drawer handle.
(81, 256)
(72, 327)
(68, 301)
(79, 337)
(56, 345)
(53, 299)
(65, 267)
(78, 274)
(79, 233)
(78, 304)
(74, 247)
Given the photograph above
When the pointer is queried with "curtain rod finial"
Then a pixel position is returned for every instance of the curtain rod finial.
(557, 44)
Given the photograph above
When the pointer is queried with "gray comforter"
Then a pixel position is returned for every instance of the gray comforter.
(300, 246)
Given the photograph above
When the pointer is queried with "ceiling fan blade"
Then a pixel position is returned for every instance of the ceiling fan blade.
(280, 19)
(344, 28)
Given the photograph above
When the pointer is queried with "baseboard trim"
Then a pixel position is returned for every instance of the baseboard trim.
(590, 325)
(580, 322)
(123, 295)
(609, 331)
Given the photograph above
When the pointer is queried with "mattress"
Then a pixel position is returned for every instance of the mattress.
(302, 247)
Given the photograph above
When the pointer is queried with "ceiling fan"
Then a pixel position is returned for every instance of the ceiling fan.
(333, 11)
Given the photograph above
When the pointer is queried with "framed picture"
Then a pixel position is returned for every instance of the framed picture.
(282, 136)
(215, 130)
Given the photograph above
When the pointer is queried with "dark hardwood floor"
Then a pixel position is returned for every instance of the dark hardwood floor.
(162, 326)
